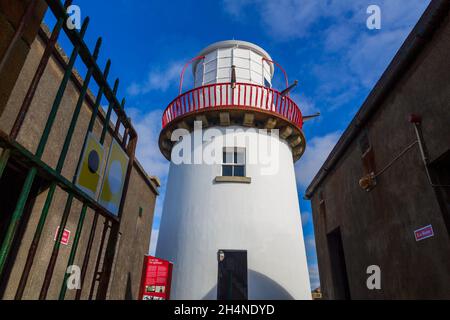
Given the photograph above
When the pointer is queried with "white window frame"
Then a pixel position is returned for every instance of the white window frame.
(235, 162)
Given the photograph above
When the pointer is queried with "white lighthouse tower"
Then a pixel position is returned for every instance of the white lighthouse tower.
(244, 204)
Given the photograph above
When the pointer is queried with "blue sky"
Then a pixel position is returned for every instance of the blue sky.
(325, 44)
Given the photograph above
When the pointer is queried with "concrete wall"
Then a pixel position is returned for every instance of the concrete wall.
(378, 227)
(137, 218)
(202, 216)
(11, 12)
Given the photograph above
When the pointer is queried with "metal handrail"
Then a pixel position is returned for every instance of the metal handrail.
(233, 96)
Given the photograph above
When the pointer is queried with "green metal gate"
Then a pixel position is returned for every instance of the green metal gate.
(36, 168)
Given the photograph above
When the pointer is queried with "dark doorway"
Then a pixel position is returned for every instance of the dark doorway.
(232, 275)
(440, 172)
(338, 267)
(11, 184)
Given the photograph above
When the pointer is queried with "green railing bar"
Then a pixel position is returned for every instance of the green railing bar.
(49, 199)
(55, 251)
(87, 255)
(77, 110)
(49, 173)
(99, 99)
(33, 87)
(35, 243)
(57, 8)
(108, 114)
(17, 215)
(121, 107)
(4, 160)
(80, 224)
(54, 256)
(93, 116)
(15, 219)
(73, 252)
(60, 93)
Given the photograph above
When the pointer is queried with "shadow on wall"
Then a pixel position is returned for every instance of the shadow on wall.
(260, 287)
(128, 289)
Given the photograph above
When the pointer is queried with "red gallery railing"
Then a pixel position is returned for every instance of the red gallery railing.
(242, 96)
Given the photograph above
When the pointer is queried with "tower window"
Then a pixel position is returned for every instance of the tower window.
(233, 162)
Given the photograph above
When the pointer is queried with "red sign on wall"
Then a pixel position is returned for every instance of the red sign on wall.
(65, 236)
(156, 279)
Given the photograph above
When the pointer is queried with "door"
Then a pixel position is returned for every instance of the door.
(338, 267)
(232, 275)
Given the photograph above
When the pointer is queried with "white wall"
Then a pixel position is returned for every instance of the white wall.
(263, 217)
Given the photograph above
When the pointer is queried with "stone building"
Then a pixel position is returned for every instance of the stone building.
(110, 249)
(382, 196)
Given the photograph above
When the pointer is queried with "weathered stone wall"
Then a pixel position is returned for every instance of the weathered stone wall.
(11, 11)
(378, 226)
(137, 216)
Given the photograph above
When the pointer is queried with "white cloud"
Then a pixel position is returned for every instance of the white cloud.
(286, 19)
(316, 153)
(314, 276)
(159, 79)
(310, 244)
(369, 56)
(148, 127)
(291, 19)
(153, 241)
(305, 217)
(306, 104)
(352, 57)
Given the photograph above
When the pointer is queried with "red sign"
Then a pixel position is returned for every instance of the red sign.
(156, 279)
(65, 236)
(424, 233)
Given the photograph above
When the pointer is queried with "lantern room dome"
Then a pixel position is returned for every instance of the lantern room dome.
(234, 44)
(233, 86)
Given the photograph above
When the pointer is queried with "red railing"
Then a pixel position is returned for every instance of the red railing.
(243, 96)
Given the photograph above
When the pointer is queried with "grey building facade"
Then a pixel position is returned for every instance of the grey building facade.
(389, 176)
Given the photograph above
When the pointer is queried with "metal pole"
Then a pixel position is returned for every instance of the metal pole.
(94, 114)
(116, 129)
(87, 255)
(60, 93)
(15, 219)
(54, 256)
(108, 114)
(79, 228)
(32, 89)
(77, 110)
(99, 256)
(50, 47)
(32, 173)
(112, 242)
(19, 31)
(63, 290)
(49, 199)
(90, 128)
(4, 160)
(17, 215)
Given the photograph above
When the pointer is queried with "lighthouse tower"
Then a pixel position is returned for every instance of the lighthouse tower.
(231, 220)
